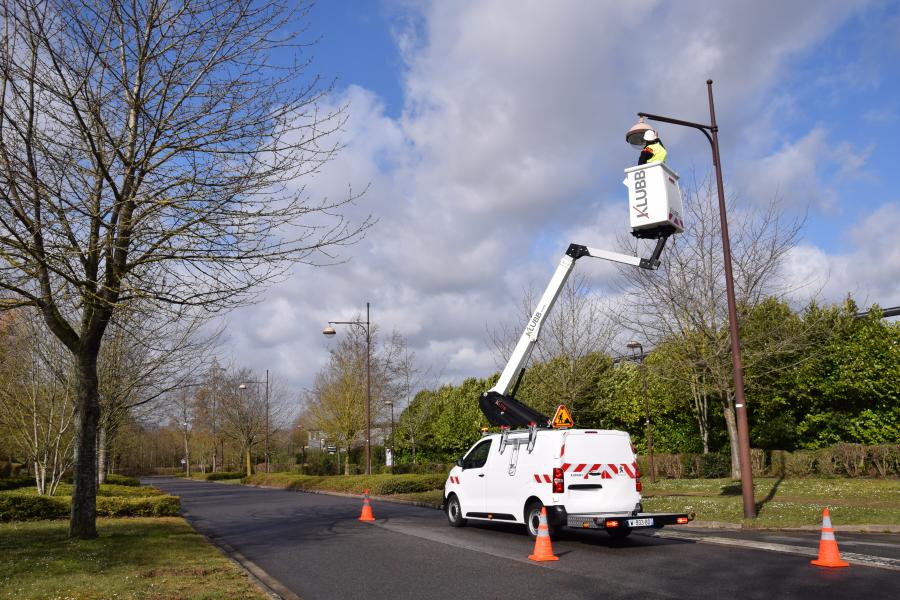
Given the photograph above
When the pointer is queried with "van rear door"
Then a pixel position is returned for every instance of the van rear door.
(600, 472)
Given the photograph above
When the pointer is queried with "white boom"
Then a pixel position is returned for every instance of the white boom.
(533, 328)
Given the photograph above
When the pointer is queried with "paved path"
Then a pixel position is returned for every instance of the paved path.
(313, 545)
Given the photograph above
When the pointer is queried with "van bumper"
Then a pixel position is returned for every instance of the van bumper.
(626, 520)
(557, 516)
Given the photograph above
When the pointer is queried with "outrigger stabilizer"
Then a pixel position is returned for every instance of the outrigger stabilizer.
(499, 404)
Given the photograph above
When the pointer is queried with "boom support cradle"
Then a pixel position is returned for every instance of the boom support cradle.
(505, 410)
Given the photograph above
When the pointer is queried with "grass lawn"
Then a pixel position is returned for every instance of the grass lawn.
(781, 503)
(153, 558)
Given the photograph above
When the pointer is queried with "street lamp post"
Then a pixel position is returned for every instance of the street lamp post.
(711, 131)
(649, 430)
(242, 387)
(393, 456)
(367, 327)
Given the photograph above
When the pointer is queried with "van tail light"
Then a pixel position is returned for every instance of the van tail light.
(558, 481)
(637, 480)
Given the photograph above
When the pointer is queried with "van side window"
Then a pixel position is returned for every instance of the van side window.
(478, 456)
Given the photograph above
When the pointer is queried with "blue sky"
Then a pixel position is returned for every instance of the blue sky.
(490, 134)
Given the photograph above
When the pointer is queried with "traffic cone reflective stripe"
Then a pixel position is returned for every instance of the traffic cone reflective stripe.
(543, 550)
(829, 556)
(366, 514)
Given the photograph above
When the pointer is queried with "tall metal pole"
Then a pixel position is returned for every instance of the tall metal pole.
(267, 420)
(737, 367)
(711, 132)
(368, 393)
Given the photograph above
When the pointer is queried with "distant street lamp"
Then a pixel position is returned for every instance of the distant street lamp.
(393, 456)
(242, 387)
(367, 327)
(649, 430)
(711, 131)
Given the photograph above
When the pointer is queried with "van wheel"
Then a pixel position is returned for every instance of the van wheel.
(454, 512)
(533, 519)
(619, 533)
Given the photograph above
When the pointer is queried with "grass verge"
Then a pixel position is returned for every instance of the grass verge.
(780, 502)
(378, 485)
(151, 558)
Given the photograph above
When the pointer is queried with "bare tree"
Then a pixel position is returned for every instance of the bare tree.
(570, 348)
(149, 151)
(684, 302)
(243, 414)
(36, 403)
(144, 356)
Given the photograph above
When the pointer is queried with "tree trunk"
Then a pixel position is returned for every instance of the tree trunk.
(102, 457)
(346, 461)
(247, 463)
(731, 426)
(83, 517)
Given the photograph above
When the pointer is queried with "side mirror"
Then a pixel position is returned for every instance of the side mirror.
(460, 463)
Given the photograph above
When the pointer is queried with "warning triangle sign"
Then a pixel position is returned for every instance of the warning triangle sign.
(563, 418)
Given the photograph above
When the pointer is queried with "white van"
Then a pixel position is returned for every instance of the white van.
(587, 479)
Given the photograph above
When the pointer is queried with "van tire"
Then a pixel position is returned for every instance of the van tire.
(454, 512)
(532, 518)
(619, 533)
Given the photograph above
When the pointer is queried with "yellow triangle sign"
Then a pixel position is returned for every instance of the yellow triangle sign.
(563, 418)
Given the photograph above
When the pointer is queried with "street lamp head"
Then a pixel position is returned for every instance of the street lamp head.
(243, 386)
(635, 135)
(633, 345)
(329, 331)
(388, 403)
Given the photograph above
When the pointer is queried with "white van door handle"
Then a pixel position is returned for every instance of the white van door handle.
(481, 474)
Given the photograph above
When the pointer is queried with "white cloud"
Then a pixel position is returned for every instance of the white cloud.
(510, 145)
(870, 272)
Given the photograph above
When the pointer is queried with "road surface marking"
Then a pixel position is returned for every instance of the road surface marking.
(881, 562)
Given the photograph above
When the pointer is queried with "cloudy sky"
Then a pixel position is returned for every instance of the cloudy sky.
(491, 134)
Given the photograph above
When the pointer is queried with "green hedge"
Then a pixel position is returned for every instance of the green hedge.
(840, 460)
(378, 485)
(122, 480)
(112, 501)
(218, 476)
(14, 483)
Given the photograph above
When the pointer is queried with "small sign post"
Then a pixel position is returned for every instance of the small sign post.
(563, 418)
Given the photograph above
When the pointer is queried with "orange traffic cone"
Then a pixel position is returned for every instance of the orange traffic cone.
(828, 548)
(543, 550)
(366, 514)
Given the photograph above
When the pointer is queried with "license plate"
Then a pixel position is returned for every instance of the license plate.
(640, 522)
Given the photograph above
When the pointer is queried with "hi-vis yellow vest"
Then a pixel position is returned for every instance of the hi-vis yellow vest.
(659, 153)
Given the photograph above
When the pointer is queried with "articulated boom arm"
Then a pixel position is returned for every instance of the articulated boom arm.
(503, 409)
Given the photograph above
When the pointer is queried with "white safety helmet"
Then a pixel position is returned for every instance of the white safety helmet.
(650, 135)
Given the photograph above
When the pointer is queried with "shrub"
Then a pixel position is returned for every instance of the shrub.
(223, 475)
(115, 479)
(14, 483)
(758, 462)
(26, 505)
(378, 485)
(799, 463)
(669, 465)
(851, 458)
(147, 506)
(778, 463)
(884, 458)
(10, 469)
(825, 462)
(714, 465)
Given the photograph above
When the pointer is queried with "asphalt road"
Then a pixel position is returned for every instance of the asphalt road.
(314, 545)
